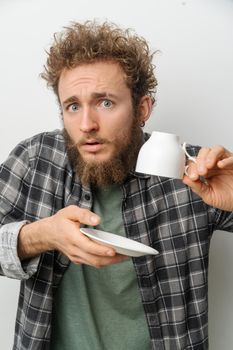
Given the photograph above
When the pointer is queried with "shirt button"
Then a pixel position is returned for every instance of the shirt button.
(87, 197)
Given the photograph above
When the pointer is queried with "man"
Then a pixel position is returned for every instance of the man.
(54, 182)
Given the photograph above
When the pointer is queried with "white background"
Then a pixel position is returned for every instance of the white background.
(194, 100)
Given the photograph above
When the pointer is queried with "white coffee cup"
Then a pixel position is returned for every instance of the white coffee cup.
(163, 155)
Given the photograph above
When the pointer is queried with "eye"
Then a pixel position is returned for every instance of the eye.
(72, 107)
(107, 103)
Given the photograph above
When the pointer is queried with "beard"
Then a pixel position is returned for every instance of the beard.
(114, 170)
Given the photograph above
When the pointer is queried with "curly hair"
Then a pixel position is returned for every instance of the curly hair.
(90, 42)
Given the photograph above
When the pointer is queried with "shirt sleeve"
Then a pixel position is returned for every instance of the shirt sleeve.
(15, 173)
(221, 220)
(11, 266)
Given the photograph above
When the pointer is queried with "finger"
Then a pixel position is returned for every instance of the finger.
(192, 171)
(105, 261)
(88, 246)
(201, 166)
(98, 262)
(84, 216)
(216, 153)
(226, 163)
(199, 187)
(198, 168)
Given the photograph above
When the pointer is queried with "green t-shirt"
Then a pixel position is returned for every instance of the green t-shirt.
(100, 309)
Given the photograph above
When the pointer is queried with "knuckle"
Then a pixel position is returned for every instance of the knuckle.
(74, 257)
(203, 151)
(220, 148)
(70, 208)
(76, 261)
(64, 212)
(97, 264)
(82, 213)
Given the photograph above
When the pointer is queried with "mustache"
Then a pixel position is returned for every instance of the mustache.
(73, 146)
(86, 139)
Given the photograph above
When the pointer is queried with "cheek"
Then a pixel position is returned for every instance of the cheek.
(123, 129)
(72, 129)
(121, 136)
(120, 125)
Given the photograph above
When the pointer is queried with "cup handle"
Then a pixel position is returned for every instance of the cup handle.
(193, 159)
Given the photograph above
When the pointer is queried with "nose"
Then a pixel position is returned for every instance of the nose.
(88, 121)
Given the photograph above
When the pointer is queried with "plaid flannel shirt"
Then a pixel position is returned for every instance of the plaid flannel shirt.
(37, 180)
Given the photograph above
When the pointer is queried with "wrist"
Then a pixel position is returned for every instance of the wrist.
(33, 240)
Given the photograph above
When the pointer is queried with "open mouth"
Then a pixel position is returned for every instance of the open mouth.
(92, 143)
(92, 146)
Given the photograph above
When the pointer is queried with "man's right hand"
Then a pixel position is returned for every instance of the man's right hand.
(62, 232)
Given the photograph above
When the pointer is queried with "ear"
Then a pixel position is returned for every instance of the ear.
(145, 108)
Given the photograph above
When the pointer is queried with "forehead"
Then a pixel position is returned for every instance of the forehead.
(92, 77)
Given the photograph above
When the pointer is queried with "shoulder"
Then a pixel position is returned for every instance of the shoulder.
(46, 139)
(47, 145)
(46, 142)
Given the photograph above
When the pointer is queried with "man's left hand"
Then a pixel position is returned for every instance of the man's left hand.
(215, 165)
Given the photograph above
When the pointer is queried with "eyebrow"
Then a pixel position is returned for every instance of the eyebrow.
(94, 95)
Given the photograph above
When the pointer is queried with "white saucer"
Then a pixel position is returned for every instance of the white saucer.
(122, 245)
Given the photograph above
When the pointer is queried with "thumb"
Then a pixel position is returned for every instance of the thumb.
(81, 215)
(199, 187)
